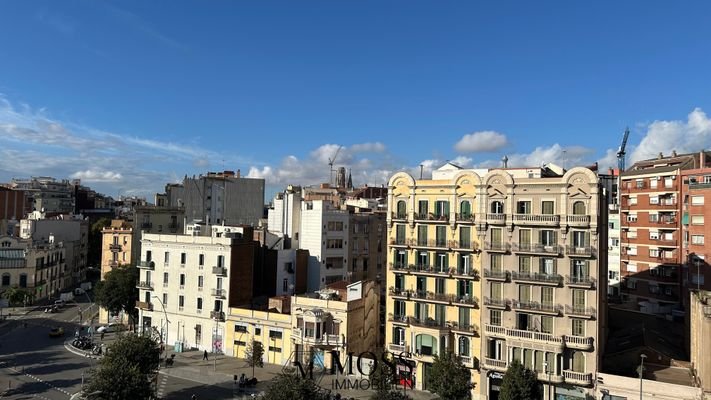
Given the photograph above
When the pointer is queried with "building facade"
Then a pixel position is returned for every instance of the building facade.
(37, 266)
(516, 250)
(14, 204)
(116, 250)
(695, 194)
(700, 335)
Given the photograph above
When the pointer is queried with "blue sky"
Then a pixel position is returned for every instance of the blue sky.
(131, 95)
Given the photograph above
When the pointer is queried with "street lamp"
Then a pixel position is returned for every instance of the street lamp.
(166, 320)
(641, 374)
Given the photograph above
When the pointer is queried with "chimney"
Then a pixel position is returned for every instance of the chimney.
(239, 173)
(660, 155)
(673, 153)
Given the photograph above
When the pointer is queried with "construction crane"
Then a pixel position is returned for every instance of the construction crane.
(331, 161)
(621, 151)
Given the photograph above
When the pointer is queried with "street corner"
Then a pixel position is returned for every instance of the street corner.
(306, 365)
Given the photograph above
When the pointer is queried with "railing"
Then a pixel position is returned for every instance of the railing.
(217, 292)
(494, 330)
(581, 251)
(115, 247)
(471, 328)
(219, 271)
(502, 303)
(580, 310)
(425, 295)
(427, 322)
(536, 219)
(398, 242)
(578, 378)
(463, 245)
(432, 217)
(396, 215)
(496, 246)
(537, 248)
(466, 272)
(467, 300)
(465, 217)
(398, 348)
(397, 318)
(497, 219)
(537, 307)
(217, 315)
(536, 336)
(577, 220)
(147, 265)
(496, 274)
(145, 285)
(144, 305)
(429, 269)
(441, 243)
(398, 266)
(578, 342)
(536, 277)
(296, 333)
(398, 292)
(580, 281)
(499, 365)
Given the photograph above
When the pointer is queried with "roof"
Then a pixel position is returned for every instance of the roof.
(661, 165)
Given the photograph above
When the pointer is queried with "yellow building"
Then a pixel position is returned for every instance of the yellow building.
(433, 272)
(116, 243)
(271, 328)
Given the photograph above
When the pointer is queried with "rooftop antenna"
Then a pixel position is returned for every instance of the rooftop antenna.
(331, 160)
(505, 161)
(565, 158)
(422, 166)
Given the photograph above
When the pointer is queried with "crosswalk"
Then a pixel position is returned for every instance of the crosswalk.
(162, 382)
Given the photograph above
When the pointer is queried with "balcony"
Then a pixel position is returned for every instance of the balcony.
(497, 247)
(578, 221)
(398, 348)
(431, 243)
(496, 275)
(397, 292)
(150, 265)
(471, 301)
(496, 219)
(218, 293)
(536, 307)
(580, 251)
(397, 318)
(398, 216)
(144, 305)
(295, 333)
(398, 267)
(537, 248)
(495, 330)
(496, 303)
(545, 279)
(552, 378)
(465, 218)
(585, 282)
(463, 245)
(431, 217)
(437, 270)
(469, 272)
(578, 378)
(469, 362)
(536, 219)
(220, 271)
(113, 263)
(217, 315)
(115, 247)
(399, 242)
(495, 365)
(147, 285)
(466, 328)
(580, 311)
(533, 336)
(428, 323)
(578, 342)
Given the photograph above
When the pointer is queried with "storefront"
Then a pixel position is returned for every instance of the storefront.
(493, 383)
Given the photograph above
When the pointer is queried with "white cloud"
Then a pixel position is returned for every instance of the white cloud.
(688, 136)
(91, 175)
(564, 156)
(371, 147)
(482, 141)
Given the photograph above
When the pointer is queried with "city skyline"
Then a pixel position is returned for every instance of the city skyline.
(134, 100)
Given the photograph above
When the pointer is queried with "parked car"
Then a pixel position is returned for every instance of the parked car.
(59, 303)
(56, 332)
(51, 309)
(109, 328)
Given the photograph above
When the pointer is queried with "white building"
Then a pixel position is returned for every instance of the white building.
(324, 233)
(613, 252)
(185, 280)
(37, 266)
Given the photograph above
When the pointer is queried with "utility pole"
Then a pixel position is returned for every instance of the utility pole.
(641, 374)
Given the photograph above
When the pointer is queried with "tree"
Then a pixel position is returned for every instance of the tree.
(449, 378)
(118, 292)
(125, 370)
(519, 383)
(17, 296)
(93, 256)
(290, 386)
(253, 354)
(382, 380)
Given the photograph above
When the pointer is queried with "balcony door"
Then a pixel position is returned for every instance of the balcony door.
(399, 336)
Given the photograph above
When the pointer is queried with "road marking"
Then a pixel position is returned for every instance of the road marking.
(38, 380)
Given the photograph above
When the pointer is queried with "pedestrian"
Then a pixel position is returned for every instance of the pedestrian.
(102, 335)
(204, 356)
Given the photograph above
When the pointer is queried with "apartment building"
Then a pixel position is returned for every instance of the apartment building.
(14, 204)
(368, 246)
(652, 250)
(154, 219)
(700, 332)
(48, 195)
(116, 250)
(695, 195)
(38, 266)
(516, 250)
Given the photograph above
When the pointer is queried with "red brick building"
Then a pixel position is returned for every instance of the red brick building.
(13, 204)
(696, 194)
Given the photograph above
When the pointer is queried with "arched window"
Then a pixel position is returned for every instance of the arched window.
(465, 209)
(497, 207)
(401, 209)
(579, 208)
(426, 345)
(464, 346)
(578, 361)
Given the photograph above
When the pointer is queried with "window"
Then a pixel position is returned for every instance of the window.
(524, 238)
(524, 293)
(400, 234)
(497, 207)
(631, 267)
(668, 181)
(337, 225)
(497, 264)
(613, 275)
(401, 210)
(166, 257)
(697, 200)
(425, 345)
(181, 302)
(654, 253)
(165, 279)
(654, 235)
(495, 317)
(579, 270)
(633, 200)
(422, 209)
(182, 280)
(580, 239)
(465, 209)
(399, 307)
(198, 334)
(578, 298)
(6, 279)
(653, 183)
(547, 295)
(548, 266)
(496, 238)
(199, 303)
(439, 285)
(240, 328)
(496, 291)
(547, 324)
(257, 331)
(632, 217)
(275, 334)
(465, 237)
(548, 238)
(578, 361)
(524, 265)
(653, 199)
(148, 256)
(697, 220)
(201, 260)
(441, 236)
(579, 208)
(334, 243)
(547, 207)
(220, 261)
(464, 346)
(578, 327)
(632, 250)
(697, 239)
(183, 258)
(441, 209)
(639, 184)
(165, 299)
(285, 285)
(523, 207)
(653, 217)
(200, 282)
